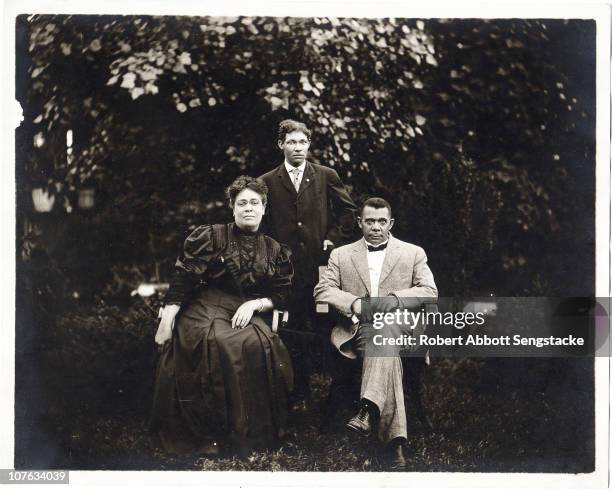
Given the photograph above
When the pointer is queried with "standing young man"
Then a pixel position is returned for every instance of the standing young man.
(310, 210)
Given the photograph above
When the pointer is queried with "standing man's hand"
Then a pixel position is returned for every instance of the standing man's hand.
(328, 244)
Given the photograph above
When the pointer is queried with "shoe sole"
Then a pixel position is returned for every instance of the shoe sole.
(357, 430)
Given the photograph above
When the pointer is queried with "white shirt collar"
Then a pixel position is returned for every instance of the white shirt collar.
(290, 167)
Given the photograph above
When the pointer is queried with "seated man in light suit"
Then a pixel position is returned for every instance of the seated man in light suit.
(378, 265)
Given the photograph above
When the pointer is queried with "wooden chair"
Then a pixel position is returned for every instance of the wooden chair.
(280, 318)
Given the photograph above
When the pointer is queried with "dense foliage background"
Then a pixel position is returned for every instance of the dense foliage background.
(479, 132)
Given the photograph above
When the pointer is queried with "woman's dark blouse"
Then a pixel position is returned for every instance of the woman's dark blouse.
(251, 265)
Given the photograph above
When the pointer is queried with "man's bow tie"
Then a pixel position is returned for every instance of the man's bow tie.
(377, 248)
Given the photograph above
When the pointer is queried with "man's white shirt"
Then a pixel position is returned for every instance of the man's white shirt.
(375, 263)
(290, 169)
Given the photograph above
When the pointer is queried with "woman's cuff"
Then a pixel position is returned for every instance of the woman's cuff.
(266, 304)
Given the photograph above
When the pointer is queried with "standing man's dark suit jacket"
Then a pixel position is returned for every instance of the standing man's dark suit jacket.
(321, 210)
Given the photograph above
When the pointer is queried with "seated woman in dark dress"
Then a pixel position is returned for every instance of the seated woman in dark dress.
(224, 376)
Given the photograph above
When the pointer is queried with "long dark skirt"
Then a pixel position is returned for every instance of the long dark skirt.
(215, 383)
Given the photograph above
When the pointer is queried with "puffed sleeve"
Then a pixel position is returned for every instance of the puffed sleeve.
(280, 285)
(198, 253)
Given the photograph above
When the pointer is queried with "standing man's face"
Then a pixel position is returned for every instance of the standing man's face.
(295, 147)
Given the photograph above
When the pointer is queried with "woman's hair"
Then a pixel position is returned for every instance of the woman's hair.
(245, 182)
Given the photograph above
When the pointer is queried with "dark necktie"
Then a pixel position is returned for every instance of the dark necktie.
(377, 248)
(296, 179)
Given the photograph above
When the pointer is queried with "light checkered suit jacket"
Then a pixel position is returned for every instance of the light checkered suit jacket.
(404, 274)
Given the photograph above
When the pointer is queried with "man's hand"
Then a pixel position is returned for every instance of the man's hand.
(356, 307)
(363, 337)
(244, 313)
(386, 304)
(328, 244)
(166, 324)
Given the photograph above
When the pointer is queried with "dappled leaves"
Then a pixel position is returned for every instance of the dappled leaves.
(472, 126)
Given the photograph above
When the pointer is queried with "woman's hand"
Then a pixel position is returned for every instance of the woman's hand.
(166, 324)
(244, 313)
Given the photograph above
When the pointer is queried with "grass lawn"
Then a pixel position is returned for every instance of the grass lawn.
(84, 388)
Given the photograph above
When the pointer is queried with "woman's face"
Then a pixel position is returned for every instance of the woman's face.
(248, 210)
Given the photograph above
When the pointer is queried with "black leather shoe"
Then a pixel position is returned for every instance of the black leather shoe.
(397, 462)
(360, 423)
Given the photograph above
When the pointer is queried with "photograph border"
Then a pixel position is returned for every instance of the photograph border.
(599, 12)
